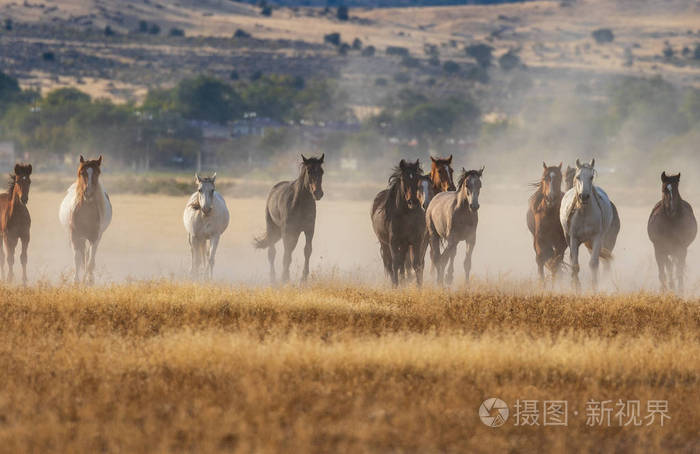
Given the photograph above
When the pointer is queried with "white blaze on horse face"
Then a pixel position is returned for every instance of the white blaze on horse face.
(206, 195)
(425, 188)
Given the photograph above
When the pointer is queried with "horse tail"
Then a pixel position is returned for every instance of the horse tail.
(606, 254)
(271, 235)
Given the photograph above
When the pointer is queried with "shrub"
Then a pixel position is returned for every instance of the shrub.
(668, 51)
(143, 26)
(696, 52)
(234, 75)
(381, 82)
(398, 51)
(410, 62)
(402, 78)
(266, 11)
(368, 51)
(256, 75)
(343, 48)
(482, 53)
(434, 61)
(241, 34)
(176, 32)
(109, 31)
(8, 24)
(332, 38)
(450, 67)
(342, 13)
(48, 56)
(603, 35)
(357, 44)
(154, 29)
(509, 61)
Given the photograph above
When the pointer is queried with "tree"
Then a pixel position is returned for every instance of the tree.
(450, 67)
(332, 38)
(9, 89)
(342, 13)
(207, 98)
(482, 53)
(603, 35)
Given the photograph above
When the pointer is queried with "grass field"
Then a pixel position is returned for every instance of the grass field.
(157, 366)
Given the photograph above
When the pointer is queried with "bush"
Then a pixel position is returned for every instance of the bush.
(241, 34)
(434, 61)
(603, 35)
(696, 52)
(368, 51)
(154, 29)
(143, 26)
(509, 60)
(234, 75)
(342, 13)
(668, 51)
(257, 75)
(48, 56)
(8, 24)
(381, 82)
(450, 67)
(176, 32)
(398, 51)
(343, 49)
(402, 78)
(266, 11)
(410, 62)
(482, 53)
(357, 44)
(109, 31)
(332, 38)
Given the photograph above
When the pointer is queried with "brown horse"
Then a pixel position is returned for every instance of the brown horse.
(14, 220)
(291, 210)
(399, 222)
(543, 221)
(671, 228)
(85, 213)
(438, 180)
(569, 177)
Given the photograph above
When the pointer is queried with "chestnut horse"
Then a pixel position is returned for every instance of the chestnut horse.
(86, 213)
(438, 180)
(399, 222)
(671, 228)
(291, 210)
(543, 221)
(15, 220)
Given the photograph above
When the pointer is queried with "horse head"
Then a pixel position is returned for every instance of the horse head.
(205, 192)
(470, 187)
(408, 176)
(569, 177)
(89, 176)
(441, 174)
(669, 190)
(313, 175)
(551, 183)
(583, 181)
(21, 180)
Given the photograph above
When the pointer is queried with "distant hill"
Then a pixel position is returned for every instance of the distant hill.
(382, 3)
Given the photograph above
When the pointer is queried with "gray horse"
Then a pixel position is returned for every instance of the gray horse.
(291, 210)
(453, 217)
(399, 221)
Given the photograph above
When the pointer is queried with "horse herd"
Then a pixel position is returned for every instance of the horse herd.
(415, 212)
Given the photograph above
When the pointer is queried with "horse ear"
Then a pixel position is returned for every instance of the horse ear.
(663, 176)
(197, 179)
(402, 164)
(82, 160)
(578, 164)
(99, 161)
(544, 164)
(417, 162)
(592, 163)
(213, 177)
(303, 158)
(449, 160)
(561, 164)
(481, 171)
(433, 159)
(29, 170)
(321, 158)
(17, 168)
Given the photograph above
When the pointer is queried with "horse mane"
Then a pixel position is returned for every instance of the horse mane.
(392, 194)
(464, 177)
(11, 183)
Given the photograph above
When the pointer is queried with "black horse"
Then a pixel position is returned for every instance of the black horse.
(291, 209)
(399, 221)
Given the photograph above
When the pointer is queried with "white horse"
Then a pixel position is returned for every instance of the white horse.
(588, 217)
(205, 218)
(86, 213)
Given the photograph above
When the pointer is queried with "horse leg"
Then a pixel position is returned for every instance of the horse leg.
(662, 264)
(573, 253)
(2, 256)
(451, 252)
(213, 245)
(418, 259)
(308, 239)
(468, 259)
(594, 263)
(90, 268)
(539, 258)
(23, 257)
(271, 252)
(78, 256)
(290, 242)
(10, 245)
(680, 268)
(398, 257)
(386, 258)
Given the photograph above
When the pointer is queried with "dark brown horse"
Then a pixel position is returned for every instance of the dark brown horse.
(399, 221)
(543, 221)
(672, 227)
(14, 220)
(291, 210)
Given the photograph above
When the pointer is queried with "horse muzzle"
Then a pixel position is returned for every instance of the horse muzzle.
(206, 210)
(584, 198)
(24, 199)
(474, 206)
(318, 194)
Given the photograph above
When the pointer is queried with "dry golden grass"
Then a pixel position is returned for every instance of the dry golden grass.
(160, 366)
